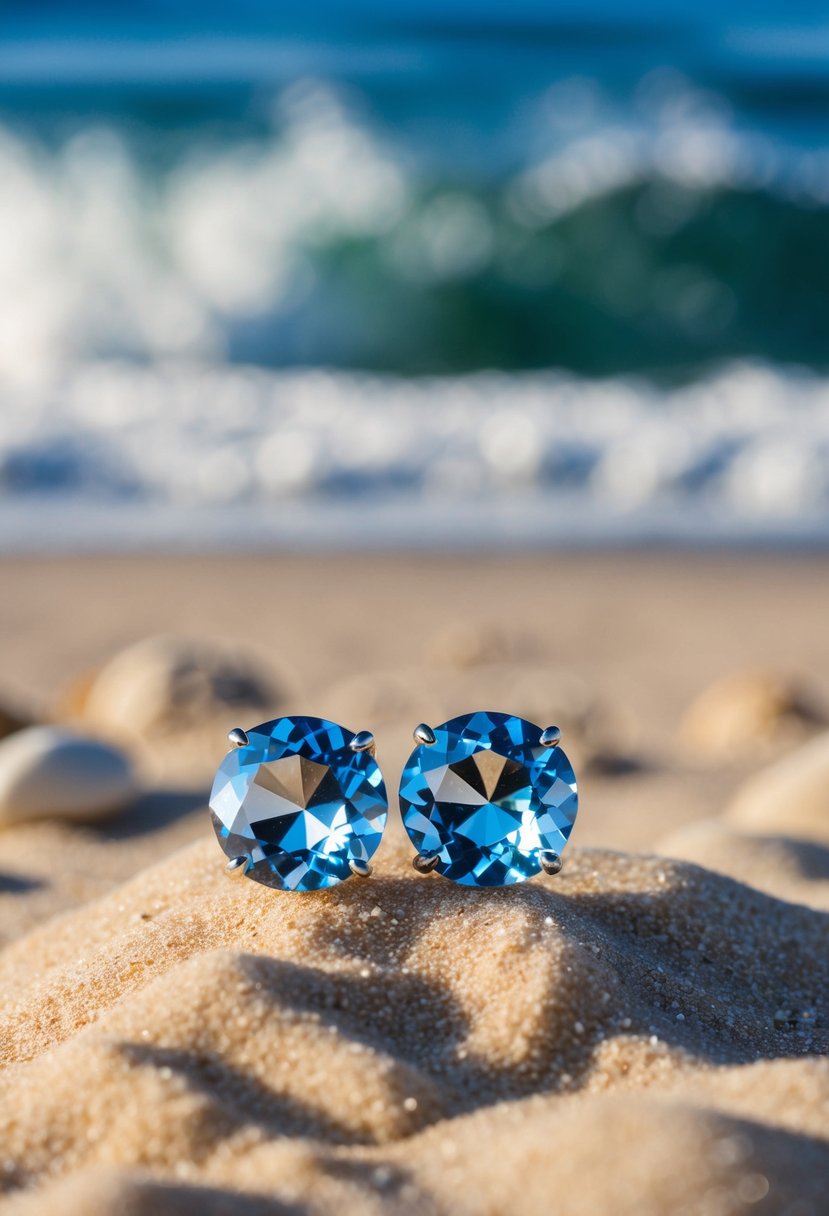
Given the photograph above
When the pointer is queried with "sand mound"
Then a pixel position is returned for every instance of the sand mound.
(789, 798)
(353, 1050)
(788, 868)
(775, 833)
(543, 1155)
(747, 712)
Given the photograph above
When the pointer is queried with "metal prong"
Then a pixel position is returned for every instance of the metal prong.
(424, 863)
(551, 863)
(551, 737)
(238, 737)
(362, 869)
(363, 741)
(237, 866)
(425, 735)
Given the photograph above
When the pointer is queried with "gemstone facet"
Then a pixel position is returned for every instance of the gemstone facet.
(487, 798)
(300, 803)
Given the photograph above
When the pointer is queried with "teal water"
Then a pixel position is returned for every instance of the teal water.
(430, 274)
(574, 189)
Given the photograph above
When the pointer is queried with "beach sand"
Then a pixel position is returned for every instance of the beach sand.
(647, 1032)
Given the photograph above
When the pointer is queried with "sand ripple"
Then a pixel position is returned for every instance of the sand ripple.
(408, 1046)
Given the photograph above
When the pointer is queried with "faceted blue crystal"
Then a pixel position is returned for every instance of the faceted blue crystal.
(487, 799)
(299, 803)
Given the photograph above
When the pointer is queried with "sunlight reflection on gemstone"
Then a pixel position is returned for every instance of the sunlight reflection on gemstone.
(488, 799)
(299, 803)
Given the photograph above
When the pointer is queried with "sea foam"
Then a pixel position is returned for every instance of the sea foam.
(211, 454)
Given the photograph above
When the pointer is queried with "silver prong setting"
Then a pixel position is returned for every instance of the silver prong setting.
(425, 735)
(360, 869)
(424, 863)
(551, 863)
(238, 737)
(551, 737)
(363, 741)
(237, 866)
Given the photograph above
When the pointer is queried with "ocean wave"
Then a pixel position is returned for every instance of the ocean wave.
(654, 239)
(166, 452)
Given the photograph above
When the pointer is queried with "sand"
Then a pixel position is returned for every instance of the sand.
(647, 1032)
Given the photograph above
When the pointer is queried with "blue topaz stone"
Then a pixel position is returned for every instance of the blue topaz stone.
(302, 799)
(487, 803)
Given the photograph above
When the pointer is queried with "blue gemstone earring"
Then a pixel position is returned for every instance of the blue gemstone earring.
(299, 804)
(488, 799)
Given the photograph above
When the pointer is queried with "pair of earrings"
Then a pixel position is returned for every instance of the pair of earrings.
(487, 800)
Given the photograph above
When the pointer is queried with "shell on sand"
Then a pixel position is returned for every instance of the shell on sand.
(610, 1034)
(46, 772)
(169, 684)
(745, 709)
(11, 719)
(789, 798)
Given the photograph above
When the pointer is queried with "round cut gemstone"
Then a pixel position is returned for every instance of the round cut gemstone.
(299, 803)
(487, 799)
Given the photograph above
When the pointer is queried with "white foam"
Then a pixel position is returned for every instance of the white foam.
(103, 255)
(120, 419)
(100, 257)
(744, 453)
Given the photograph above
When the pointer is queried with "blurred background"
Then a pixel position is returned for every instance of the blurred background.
(419, 274)
(326, 330)
(384, 362)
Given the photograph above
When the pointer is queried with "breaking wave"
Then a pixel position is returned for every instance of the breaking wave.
(652, 244)
(618, 329)
(203, 454)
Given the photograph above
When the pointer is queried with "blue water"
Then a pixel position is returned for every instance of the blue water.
(468, 98)
(298, 209)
